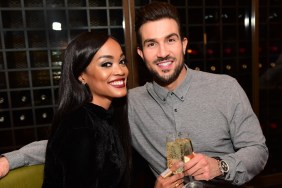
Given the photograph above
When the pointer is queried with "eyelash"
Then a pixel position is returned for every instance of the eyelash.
(124, 61)
(108, 64)
(153, 43)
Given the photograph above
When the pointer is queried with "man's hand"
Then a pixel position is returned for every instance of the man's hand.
(171, 181)
(4, 167)
(202, 167)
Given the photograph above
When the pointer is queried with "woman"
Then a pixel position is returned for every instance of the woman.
(90, 139)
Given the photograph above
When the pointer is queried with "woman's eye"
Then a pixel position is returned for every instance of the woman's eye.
(124, 62)
(107, 64)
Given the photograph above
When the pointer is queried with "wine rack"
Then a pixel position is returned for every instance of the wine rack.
(221, 41)
(220, 34)
(31, 51)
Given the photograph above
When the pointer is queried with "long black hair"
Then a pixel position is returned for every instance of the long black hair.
(73, 94)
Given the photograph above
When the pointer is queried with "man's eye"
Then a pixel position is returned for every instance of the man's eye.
(171, 40)
(151, 44)
(106, 64)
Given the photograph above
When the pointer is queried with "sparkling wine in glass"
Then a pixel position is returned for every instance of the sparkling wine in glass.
(173, 152)
(187, 154)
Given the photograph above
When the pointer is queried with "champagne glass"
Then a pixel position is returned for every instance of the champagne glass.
(187, 154)
(173, 152)
(185, 145)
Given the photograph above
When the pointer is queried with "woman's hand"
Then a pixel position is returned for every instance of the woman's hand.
(171, 181)
(4, 167)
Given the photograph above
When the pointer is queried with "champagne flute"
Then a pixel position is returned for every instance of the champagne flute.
(187, 154)
(185, 146)
(173, 152)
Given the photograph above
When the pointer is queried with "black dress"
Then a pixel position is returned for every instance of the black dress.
(85, 152)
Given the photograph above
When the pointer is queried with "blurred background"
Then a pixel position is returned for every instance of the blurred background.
(241, 38)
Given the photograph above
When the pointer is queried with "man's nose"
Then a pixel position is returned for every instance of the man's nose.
(163, 51)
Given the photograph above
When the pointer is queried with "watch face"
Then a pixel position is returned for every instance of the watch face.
(224, 166)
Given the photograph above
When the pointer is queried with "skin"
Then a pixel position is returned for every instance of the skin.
(107, 74)
(163, 53)
(4, 166)
(173, 180)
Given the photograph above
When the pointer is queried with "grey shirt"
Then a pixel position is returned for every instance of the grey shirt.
(215, 112)
(213, 109)
(31, 154)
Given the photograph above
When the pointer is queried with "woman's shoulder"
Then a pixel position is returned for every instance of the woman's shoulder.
(75, 116)
(72, 121)
(73, 126)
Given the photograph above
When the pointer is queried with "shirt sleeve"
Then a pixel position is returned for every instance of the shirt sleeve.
(31, 154)
(249, 142)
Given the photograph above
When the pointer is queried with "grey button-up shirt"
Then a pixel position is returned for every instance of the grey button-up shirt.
(215, 112)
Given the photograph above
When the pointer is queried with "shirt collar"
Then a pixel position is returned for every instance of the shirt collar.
(180, 92)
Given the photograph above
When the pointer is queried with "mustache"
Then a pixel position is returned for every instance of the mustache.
(164, 59)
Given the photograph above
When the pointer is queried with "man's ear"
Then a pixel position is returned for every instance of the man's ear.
(184, 44)
(140, 52)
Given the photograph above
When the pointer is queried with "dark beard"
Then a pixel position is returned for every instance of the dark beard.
(163, 81)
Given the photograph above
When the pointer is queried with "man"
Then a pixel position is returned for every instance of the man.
(226, 135)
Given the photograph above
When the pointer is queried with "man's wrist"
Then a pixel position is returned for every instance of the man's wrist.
(222, 166)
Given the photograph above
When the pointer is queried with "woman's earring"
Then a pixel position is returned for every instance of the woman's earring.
(82, 80)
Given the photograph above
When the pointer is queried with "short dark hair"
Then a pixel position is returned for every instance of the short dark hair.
(153, 12)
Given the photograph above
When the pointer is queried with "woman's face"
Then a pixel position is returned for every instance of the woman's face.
(106, 75)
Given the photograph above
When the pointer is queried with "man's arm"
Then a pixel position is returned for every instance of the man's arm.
(248, 140)
(31, 154)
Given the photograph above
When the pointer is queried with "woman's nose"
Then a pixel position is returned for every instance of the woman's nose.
(120, 69)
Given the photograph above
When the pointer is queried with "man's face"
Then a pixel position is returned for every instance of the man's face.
(163, 50)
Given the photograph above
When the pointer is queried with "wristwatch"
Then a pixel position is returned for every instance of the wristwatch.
(223, 166)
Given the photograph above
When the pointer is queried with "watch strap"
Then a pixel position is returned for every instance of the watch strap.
(222, 165)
